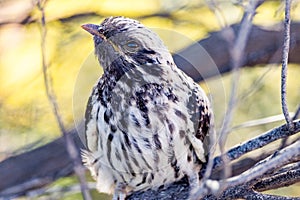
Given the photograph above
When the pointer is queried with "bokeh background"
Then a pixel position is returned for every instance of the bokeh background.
(26, 117)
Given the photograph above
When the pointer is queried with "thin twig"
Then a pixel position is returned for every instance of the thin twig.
(297, 113)
(237, 55)
(254, 86)
(71, 147)
(283, 179)
(19, 189)
(259, 122)
(237, 59)
(285, 56)
(287, 168)
(58, 191)
(214, 7)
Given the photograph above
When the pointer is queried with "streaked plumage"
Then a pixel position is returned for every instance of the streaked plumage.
(145, 119)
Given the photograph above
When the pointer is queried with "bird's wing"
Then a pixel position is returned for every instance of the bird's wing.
(198, 109)
(91, 113)
(200, 114)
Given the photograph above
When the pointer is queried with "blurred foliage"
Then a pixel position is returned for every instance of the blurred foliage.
(25, 113)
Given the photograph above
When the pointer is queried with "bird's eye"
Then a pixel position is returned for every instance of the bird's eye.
(131, 46)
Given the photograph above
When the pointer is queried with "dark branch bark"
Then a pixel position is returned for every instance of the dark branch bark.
(279, 180)
(263, 47)
(36, 168)
(258, 142)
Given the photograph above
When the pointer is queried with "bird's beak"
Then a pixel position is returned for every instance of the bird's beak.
(93, 29)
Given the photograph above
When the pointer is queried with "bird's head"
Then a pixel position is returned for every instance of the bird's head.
(128, 43)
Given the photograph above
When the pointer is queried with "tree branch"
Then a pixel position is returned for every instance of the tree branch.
(283, 179)
(258, 142)
(265, 50)
(285, 56)
(237, 55)
(36, 168)
(267, 166)
(297, 113)
(70, 145)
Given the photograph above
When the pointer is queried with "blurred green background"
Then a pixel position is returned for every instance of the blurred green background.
(26, 117)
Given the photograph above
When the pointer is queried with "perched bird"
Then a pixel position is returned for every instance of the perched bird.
(145, 119)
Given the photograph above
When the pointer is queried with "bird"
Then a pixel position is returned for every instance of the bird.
(145, 120)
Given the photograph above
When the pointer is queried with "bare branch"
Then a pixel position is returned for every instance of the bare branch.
(240, 192)
(255, 86)
(265, 50)
(259, 196)
(240, 166)
(289, 177)
(237, 55)
(285, 56)
(214, 7)
(58, 192)
(297, 113)
(78, 168)
(262, 121)
(253, 195)
(46, 163)
(283, 157)
(33, 183)
(258, 142)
